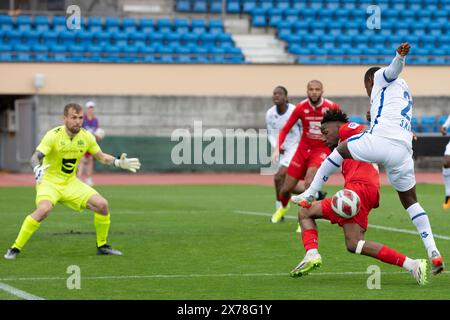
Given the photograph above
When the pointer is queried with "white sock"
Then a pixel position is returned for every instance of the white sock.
(329, 166)
(420, 219)
(446, 174)
(409, 264)
(278, 205)
(312, 251)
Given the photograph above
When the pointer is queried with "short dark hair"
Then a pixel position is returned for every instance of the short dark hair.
(314, 81)
(370, 73)
(282, 88)
(72, 105)
(334, 115)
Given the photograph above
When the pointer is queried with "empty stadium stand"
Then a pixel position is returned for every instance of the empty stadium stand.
(111, 39)
(337, 32)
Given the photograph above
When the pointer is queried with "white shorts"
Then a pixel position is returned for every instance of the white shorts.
(395, 156)
(286, 157)
(447, 150)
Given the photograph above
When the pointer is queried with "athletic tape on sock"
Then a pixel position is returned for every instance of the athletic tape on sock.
(359, 246)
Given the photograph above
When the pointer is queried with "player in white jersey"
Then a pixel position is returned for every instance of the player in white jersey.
(387, 142)
(446, 166)
(276, 117)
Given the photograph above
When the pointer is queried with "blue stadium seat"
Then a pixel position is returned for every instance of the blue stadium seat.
(164, 25)
(23, 23)
(102, 38)
(216, 26)
(291, 14)
(283, 4)
(112, 24)
(233, 6)
(41, 23)
(6, 22)
(129, 25)
(275, 15)
(200, 6)
(147, 25)
(84, 37)
(198, 26)
(59, 23)
(76, 53)
(94, 23)
(181, 25)
(429, 124)
(183, 6)
(248, 5)
(215, 6)
(12, 36)
(189, 37)
(173, 38)
(6, 56)
(155, 38)
(31, 37)
(119, 39)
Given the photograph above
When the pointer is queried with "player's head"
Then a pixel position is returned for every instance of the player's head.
(90, 105)
(368, 79)
(73, 117)
(332, 120)
(314, 90)
(280, 96)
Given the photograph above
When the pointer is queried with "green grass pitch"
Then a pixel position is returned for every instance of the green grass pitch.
(209, 242)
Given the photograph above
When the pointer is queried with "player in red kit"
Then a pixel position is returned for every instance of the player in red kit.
(363, 178)
(311, 150)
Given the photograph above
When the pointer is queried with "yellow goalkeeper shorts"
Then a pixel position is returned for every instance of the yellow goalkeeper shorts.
(75, 194)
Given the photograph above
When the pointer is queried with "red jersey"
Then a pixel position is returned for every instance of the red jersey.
(357, 171)
(311, 118)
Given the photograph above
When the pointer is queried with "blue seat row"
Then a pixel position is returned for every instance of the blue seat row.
(197, 43)
(246, 6)
(113, 24)
(119, 58)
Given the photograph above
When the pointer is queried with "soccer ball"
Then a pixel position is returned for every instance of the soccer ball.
(346, 203)
(99, 133)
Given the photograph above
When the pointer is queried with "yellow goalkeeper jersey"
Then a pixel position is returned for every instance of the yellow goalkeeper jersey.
(63, 153)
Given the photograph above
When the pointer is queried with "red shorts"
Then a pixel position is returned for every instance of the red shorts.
(304, 159)
(369, 196)
(87, 155)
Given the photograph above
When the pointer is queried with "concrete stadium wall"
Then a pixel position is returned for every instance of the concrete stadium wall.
(205, 80)
(160, 116)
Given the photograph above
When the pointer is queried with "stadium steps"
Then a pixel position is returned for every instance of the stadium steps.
(142, 7)
(262, 48)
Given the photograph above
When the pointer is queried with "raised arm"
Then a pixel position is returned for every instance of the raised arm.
(395, 68)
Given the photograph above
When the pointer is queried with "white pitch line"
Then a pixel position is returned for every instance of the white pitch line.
(217, 275)
(18, 293)
(373, 226)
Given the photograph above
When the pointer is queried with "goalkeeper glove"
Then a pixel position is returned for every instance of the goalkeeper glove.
(39, 171)
(131, 164)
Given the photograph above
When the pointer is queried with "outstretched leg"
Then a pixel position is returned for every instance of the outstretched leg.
(29, 226)
(354, 236)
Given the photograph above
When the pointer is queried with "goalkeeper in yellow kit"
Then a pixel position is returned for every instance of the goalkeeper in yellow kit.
(55, 164)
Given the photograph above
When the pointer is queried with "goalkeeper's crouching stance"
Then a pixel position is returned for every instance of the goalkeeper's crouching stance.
(55, 163)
